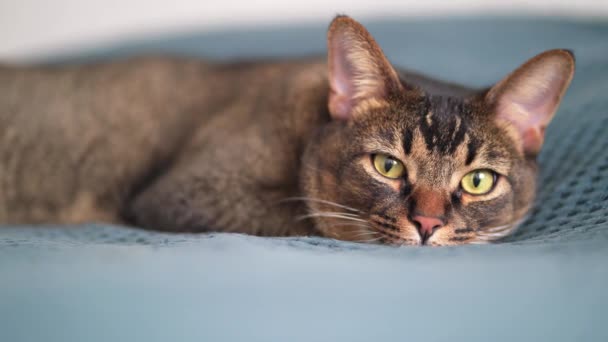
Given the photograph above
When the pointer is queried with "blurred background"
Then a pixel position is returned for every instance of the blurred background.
(35, 28)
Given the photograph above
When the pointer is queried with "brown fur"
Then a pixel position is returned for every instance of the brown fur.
(270, 148)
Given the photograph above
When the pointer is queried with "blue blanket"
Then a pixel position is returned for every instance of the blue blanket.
(547, 282)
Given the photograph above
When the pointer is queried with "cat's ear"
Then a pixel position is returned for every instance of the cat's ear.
(526, 100)
(358, 70)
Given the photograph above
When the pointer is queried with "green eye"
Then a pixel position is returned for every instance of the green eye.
(478, 182)
(388, 166)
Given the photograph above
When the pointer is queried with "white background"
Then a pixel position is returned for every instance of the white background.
(34, 27)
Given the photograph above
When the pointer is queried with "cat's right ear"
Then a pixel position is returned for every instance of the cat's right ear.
(359, 73)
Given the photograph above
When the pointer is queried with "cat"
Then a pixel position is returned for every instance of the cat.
(347, 147)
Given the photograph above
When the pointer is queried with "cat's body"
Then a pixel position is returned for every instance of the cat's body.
(79, 143)
(186, 145)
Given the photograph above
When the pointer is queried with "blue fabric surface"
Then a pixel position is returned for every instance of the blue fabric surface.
(548, 282)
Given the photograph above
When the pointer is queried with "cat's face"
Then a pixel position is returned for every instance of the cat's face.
(418, 170)
(400, 166)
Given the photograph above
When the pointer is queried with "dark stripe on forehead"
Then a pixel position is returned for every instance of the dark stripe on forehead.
(407, 141)
(472, 148)
(427, 131)
(442, 124)
(450, 128)
(458, 138)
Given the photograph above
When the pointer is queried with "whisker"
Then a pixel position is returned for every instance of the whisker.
(511, 227)
(330, 215)
(386, 232)
(495, 233)
(321, 213)
(370, 240)
(291, 199)
(496, 229)
(371, 236)
(479, 242)
(366, 239)
(361, 233)
(358, 225)
(356, 229)
(365, 233)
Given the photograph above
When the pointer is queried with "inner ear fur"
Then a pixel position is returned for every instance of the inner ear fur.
(359, 72)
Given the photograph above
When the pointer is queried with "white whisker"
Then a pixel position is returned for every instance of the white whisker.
(370, 240)
(496, 229)
(350, 224)
(498, 232)
(479, 242)
(319, 201)
(365, 233)
(330, 215)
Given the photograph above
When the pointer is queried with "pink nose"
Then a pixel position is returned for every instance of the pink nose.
(427, 225)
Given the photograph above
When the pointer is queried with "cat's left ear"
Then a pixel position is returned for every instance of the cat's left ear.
(359, 73)
(526, 100)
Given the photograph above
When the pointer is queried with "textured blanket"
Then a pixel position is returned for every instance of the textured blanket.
(547, 282)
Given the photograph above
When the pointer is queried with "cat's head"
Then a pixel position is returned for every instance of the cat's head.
(397, 165)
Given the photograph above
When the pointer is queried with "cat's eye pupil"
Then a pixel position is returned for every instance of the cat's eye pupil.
(477, 179)
(388, 164)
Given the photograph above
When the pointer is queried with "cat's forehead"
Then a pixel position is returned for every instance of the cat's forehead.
(435, 131)
(441, 124)
(444, 123)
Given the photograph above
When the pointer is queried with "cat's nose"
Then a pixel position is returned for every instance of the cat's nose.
(427, 225)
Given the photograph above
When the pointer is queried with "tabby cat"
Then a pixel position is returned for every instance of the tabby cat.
(350, 148)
